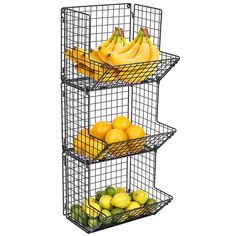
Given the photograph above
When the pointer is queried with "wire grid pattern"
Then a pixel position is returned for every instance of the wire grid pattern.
(83, 109)
(148, 17)
(87, 27)
(132, 173)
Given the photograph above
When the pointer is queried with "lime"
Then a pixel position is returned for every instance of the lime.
(116, 211)
(74, 216)
(150, 201)
(93, 222)
(99, 194)
(131, 195)
(107, 214)
(83, 221)
(75, 208)
(110, 191)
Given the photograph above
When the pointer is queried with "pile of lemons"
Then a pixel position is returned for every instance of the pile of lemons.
(119, 130)
(111, 204)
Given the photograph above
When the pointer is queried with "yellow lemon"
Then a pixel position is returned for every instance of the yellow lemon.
(120, 190)
(140, 196)
(92, 210)
(121, 122)
(105, 202)
(133, 205)
(100, 129)
(121, 200)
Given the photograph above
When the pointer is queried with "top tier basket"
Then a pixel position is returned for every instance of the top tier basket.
(88, 26)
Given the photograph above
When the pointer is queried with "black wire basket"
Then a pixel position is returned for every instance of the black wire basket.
(82, 181)
(90, 164)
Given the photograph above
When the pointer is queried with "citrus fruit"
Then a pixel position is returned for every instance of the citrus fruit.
(133, 205)
(76, 209)
(120, 190)
(118, 215)
(100, 129)
(134, 132)
(105, 214)
(120, 200)
(105, 202)
(92, 223)
(131, 195)
(83, 221)
(93, 149)
(121, 122)
(140, 196)
(150, 201)
(99, 194)
(92, 210)
(110, 191)
(86, 202)
(116, 135)
(116, 211)
(80, 141)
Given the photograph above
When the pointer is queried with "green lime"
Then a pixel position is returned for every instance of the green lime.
(93, 222)
(83, 221)
(75, 208)
(110, 191)
(150, 201)
(99, 194)
(74, 216)
(116, 211)
(107, 214)
(131, 195)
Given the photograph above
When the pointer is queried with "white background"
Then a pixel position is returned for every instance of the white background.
(197, 166)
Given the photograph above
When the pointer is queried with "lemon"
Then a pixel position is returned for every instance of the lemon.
(91, 212)
(120, 190)
(140, 196)
(110, 191)
(100, 129)
(99, 194)
(133, 205)
(105, 202)
(121, 122)
(87, 201)
(121, 200)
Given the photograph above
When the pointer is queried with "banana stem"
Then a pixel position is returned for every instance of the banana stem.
(150, 41)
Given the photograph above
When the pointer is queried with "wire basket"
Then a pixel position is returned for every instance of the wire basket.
(82, 181)
(81, 110)
(88, 26)
(103, 93)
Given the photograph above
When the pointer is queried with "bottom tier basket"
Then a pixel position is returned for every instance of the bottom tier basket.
(82, 181)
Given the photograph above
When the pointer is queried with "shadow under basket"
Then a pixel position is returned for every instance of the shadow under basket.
(102, 151)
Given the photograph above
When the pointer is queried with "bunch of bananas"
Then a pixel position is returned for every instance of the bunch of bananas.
(115, 59)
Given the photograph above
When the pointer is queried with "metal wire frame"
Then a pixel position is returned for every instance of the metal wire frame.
(82, 181)
(83, 109)
(87, 27)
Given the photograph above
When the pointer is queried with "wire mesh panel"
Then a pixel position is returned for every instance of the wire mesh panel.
(83, 182)
(85, 28)
(82, 110)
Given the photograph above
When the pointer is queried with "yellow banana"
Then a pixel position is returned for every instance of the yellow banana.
(129, 45)
(103, 51)
(119, 44)
(142, 55)
(109, 76)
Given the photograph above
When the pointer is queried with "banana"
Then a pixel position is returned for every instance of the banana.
(129, 45)
(105, 77)
(142, 55)
(119, 44)
(104, 51)
(75, 54)
(154, 52)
